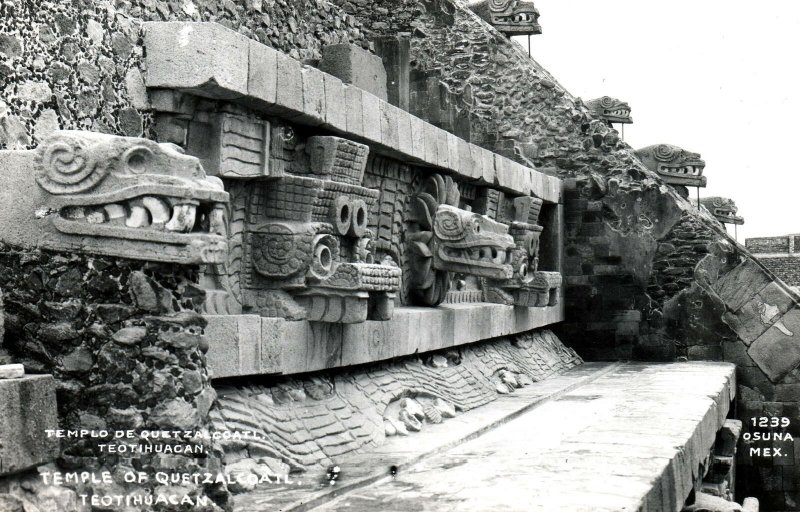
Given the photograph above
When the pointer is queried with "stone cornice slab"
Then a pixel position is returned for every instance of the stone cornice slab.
(209, 60)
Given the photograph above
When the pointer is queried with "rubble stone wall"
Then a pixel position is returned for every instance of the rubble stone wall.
(77, 65)
(124, 343)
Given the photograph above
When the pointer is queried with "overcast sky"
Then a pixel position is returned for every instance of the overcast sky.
(716, 77)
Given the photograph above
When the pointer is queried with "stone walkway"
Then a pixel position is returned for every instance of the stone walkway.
(602, 437)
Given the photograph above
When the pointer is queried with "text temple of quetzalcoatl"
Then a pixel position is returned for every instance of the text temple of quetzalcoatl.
(321, 244)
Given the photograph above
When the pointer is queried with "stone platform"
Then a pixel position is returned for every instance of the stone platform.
(602, 437)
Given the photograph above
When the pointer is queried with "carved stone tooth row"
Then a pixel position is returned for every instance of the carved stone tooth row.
(689, 169)
(485, 253)
(178, 215)
(517, 18)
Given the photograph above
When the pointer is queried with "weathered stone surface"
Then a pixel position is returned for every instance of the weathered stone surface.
(11, 371)
(335, 103)
(205, 58)
(314, 104)
(290, 85)
(777, 351)
(356, 66)
(354, 110)
(175, 414)
(235, 345)
(262, 77)
(27, 409)
(740, 285)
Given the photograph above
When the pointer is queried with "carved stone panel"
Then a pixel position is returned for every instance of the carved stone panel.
(723, 209)
(611, 110)
(675, 165)
(117, 196)
(300, 241)
(511, 17)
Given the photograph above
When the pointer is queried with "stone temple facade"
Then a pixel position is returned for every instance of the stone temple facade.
(332, 224)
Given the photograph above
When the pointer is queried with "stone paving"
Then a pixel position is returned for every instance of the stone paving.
(602, 437)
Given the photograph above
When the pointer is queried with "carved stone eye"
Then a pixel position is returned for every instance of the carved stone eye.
(137, 160)
(606, 102)
(500, 5)
(325, 254)
(664, 152)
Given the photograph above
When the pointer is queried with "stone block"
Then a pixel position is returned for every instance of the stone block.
(776, 296)
(741, 284)
(204, 58)
(787, 393)
(751, 320)
(262, 77)
(307, 346)
(11, 371)
(461, 156)
(371, 115)
(27, 410)
(418, 150)
(537, 180)
(405, 142)
(354, 110)
(442, 150)
(487, 166)
(704, 352)
(475, 170)
(777, 351)
(736, 352)
(234, 345)
(453, 154)
(431, 144)
(395, 52)
(313, 96)
(389, 119)
(335, 103)
(499, 170)
(290, 86)
(354, 65)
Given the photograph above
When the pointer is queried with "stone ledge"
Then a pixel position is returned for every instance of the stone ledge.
(206, 59)
(27, 409)
(251, 345)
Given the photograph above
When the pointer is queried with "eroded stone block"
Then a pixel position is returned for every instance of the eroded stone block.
(262, 79)
(205, 58)
(741, 284)
(27, 410)
(335, 103)
(777, 351)
(354, 65)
